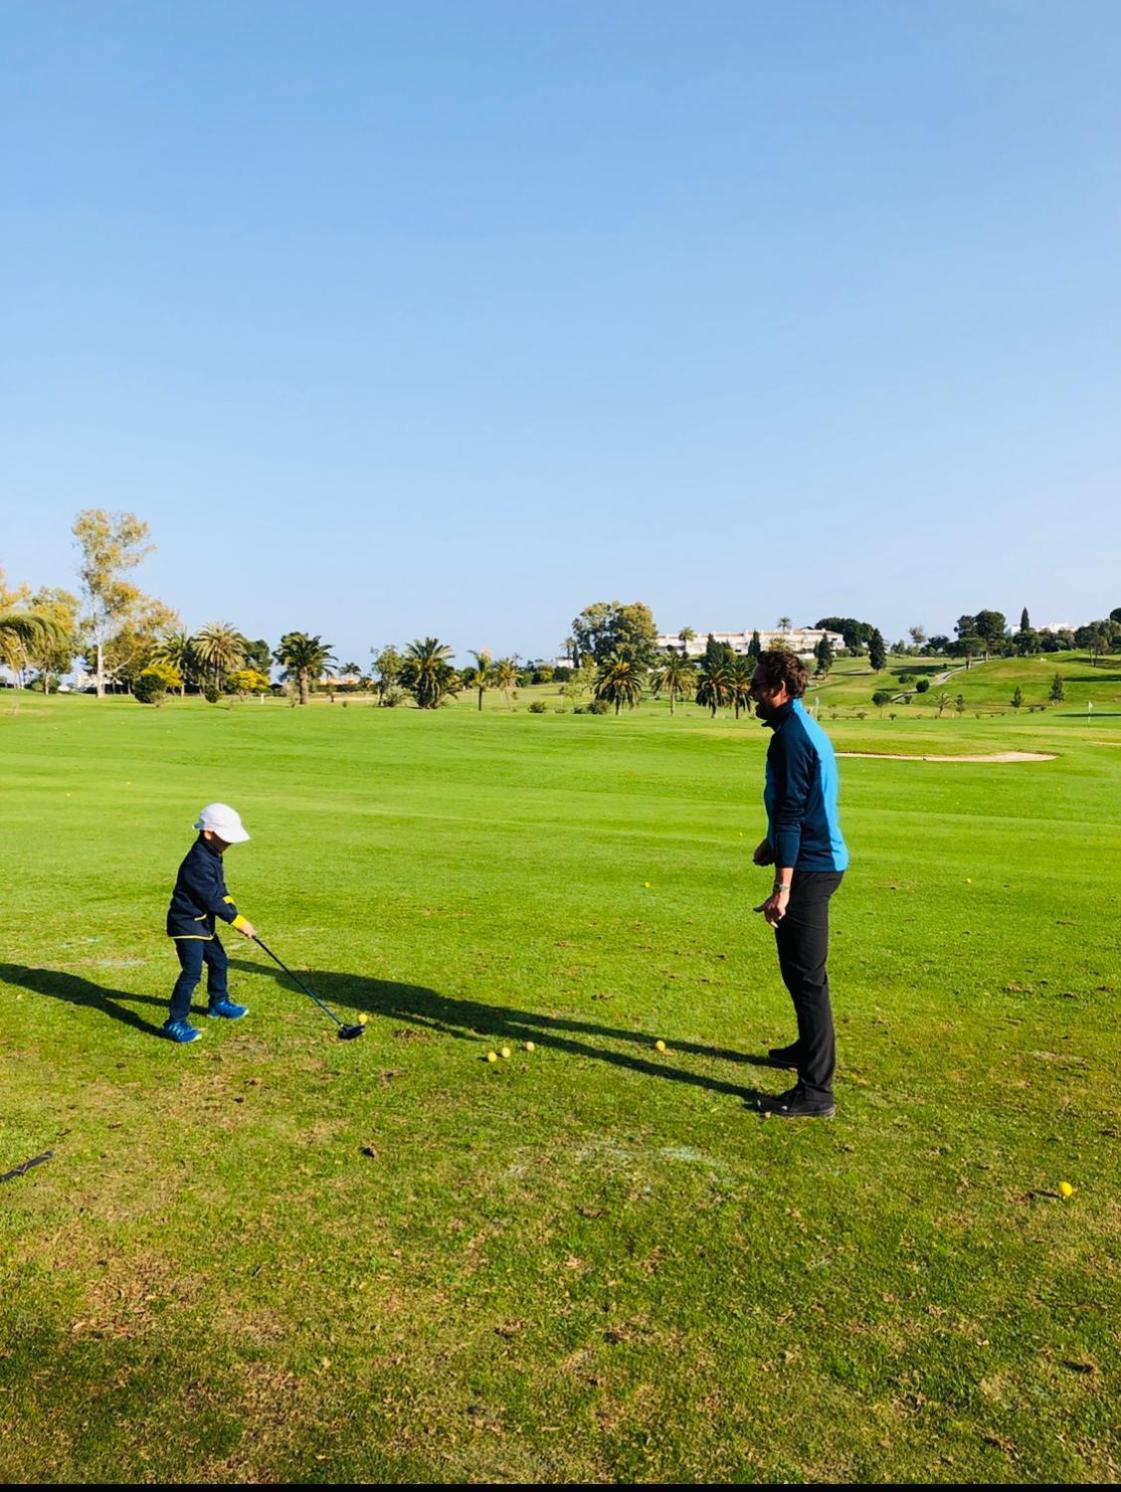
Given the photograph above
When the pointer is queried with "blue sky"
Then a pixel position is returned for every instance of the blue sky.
(450, 318)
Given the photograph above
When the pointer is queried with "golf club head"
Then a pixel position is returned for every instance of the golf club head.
(348, 1033)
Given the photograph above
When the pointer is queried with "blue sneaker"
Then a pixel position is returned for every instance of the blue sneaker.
(181, 1031)
(227, 1008)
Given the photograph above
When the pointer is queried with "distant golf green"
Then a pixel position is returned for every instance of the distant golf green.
(274, 1256)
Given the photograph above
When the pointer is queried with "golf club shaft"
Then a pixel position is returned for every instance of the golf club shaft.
(297, 980)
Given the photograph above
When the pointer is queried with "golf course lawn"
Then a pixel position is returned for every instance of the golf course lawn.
(277, 1256)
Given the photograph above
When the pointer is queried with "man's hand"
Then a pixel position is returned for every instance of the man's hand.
(764, 855)
(774, 908)
(246, 928)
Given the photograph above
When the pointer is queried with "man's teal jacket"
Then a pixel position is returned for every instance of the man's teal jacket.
(800, 795)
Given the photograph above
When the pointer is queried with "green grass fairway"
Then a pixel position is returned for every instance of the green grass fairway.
(276, 1256)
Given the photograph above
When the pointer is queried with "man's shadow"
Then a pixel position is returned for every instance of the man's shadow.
(468, 1020)
(415, 1006)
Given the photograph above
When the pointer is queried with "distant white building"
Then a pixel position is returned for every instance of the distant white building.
(800, 640)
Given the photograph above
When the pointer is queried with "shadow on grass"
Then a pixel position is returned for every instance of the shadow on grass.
(78, 991)
(468, 1020)
(424, 1009)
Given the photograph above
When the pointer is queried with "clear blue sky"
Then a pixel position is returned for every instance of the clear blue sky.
(450, 318)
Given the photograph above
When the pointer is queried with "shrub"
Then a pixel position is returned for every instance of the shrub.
(149, 688)
(538, 707)
(881, 697)
(211, 695)
(598, 707)
(922, 686)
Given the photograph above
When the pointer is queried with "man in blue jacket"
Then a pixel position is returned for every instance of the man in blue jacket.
(199, 901)
(805, 845)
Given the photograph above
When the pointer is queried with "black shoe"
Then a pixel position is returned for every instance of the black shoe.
(785, 1056)
(797, 1104)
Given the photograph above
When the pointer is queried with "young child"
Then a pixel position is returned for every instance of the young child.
(199, 898)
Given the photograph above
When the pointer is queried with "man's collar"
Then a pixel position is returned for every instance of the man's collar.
(781, 715)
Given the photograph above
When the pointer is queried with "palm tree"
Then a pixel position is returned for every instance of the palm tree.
(716, 683)
(784, 624)
(676, 675)
(427, 674)
(742, 670)
(302, 656)
(24, 632)
(506, 676)
(482, 675)
(685, 637)
(177, 651)
(21, 631)
(220, 649)
(620, 681)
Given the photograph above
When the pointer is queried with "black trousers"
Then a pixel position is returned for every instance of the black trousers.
(802, 938)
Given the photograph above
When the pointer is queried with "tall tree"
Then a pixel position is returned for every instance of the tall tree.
(824, 655)
(177, 651)
(784, 624)
(219, 648)
(110, 544)
(676, 675)
(506, 676)
(388, 663)
(990, 628)
(20, 632)
(135, 640)
(51, 642)
(877, 652)
(608, 627)
(742, 671)
(1025, 620)
(258, 655)
(755, 646)
(918, 635)
(481, 677)
(427, 672)
(620, 681)
(716, 679)
(303, 657)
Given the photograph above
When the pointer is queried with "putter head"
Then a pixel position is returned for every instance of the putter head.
(348, 1033)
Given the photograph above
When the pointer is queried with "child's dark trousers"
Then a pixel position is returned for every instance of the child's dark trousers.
(193, 953)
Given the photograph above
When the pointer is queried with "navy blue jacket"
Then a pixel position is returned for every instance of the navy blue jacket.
(200, 895)
(801, 794)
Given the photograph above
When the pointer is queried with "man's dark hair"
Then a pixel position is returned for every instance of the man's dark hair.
(778, 666)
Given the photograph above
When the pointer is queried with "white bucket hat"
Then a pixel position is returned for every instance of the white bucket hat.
(224, 821)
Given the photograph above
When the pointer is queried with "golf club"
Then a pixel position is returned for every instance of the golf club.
(345, 1033)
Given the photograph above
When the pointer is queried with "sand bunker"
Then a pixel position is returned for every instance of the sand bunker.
(992, 756)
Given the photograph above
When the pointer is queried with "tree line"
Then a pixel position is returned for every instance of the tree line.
(128, 640)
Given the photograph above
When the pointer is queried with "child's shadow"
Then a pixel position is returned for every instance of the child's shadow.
(77, 991)
(468, 1020)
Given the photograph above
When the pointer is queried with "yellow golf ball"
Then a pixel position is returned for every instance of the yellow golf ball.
(529, 1046)
(659, 1046)
(505, 1052)
(1065, 1189)
(492, 1056)
(647, 885)
(363, 1018)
